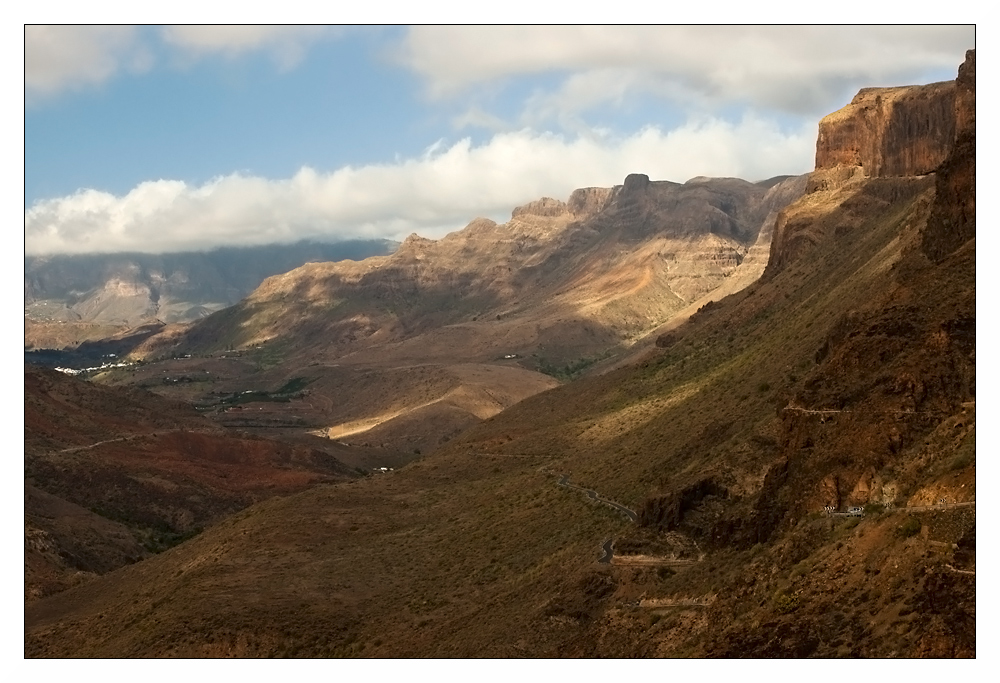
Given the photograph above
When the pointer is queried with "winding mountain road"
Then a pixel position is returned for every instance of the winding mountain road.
(609, 552)
(948, 566)
(593, 495)
(828, 411)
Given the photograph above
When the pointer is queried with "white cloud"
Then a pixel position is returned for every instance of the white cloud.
(58, 58)
(287, 44)
(61, 57)
(437, 192)
(801, 69)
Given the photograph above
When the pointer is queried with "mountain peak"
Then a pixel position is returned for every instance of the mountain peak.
(635, 182)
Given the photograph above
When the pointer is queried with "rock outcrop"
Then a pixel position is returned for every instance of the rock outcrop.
(667, 512)
(953, 219)
(888, 132)
(546, 206)
(588, 200)
(878, 150)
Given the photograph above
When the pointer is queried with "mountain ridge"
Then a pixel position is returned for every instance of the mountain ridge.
(558, 289)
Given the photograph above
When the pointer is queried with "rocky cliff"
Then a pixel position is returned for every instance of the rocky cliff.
(890, 131)
(565, 280)
(953, 220)
(878, 150)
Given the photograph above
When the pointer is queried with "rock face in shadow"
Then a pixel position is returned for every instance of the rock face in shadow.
(727, 207)
(667, 512)
(953, 219)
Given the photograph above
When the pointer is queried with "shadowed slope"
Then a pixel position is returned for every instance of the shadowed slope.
(112, 474)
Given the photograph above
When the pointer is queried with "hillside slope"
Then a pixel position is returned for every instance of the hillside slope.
(408, 350)
(113, 475)
(843, 378)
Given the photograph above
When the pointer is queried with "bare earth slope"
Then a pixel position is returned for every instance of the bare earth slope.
(844, 378)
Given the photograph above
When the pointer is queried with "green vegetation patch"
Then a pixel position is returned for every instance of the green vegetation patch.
(909, 528)
(291, 389)
(785, 603)
(570, 370)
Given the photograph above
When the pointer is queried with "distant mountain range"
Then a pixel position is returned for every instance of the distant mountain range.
(130, 289)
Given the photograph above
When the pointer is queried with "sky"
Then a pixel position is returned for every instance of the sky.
(162, 139)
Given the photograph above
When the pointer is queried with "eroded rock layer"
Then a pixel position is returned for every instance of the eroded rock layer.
(898, 131)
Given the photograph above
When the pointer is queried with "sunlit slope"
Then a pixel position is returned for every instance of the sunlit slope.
(560, 280)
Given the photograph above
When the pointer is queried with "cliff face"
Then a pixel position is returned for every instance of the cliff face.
(588, 200)
(890, 131)
(902, 347)
(952, 222)
(875, 151)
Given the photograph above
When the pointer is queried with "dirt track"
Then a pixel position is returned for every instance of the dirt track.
(943, 506)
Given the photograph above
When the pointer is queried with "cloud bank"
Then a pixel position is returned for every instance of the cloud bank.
(797, 69)
(799, 72)
(440, 191)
